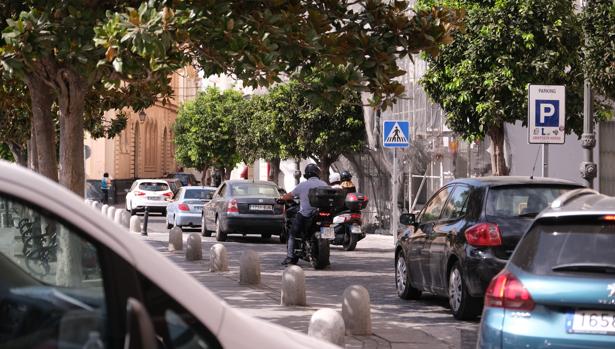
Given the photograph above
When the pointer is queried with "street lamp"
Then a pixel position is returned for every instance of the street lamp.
(142, 115)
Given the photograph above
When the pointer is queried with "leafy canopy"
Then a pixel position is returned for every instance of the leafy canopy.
(599, 50)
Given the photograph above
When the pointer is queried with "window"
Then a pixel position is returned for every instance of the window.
(198, 194)
(514, 201)
(51, 287)
(153, 186)
(434, 207)
(250, 189)
(457, 204)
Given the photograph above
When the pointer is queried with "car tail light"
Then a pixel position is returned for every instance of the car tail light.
(506, 291)
(483, 235)
(232, 207)
(183, 207)
(139, 193)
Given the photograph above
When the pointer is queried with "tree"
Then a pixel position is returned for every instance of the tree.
(599, 50)
(14, 117)
(205, 130)
(481, 79)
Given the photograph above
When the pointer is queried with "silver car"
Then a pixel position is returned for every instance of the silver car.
(187, 206)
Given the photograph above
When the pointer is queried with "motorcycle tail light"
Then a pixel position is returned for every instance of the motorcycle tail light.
(506, 291)
(232, 207)
(355, 216)
(183, 207)
(484, 235)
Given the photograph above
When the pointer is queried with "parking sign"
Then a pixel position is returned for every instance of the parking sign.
(547, 114)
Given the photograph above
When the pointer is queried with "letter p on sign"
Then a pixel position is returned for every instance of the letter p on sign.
(548, 113)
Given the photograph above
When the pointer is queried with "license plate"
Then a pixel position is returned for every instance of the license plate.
(355, 229)
(153, 198)
(197, 208)
(261, 208)
(591, 322)
(327, 233)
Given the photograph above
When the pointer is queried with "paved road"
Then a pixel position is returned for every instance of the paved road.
(396, 323)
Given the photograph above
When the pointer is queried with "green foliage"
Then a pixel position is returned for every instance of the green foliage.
(481, 79)
(5, 153)
(599, 51)
(205, 129)
(14, 111)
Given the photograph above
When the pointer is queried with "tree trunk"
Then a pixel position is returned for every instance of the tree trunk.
(275, 170)
(19, 153)
(204, 175)
(227, 173)
(324, 163)
(32, 151)
(498, 162)
(42, 123)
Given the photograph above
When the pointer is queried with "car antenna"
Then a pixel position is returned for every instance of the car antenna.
(534, 167)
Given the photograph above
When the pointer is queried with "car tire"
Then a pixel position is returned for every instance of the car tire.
(220, 235)
(204, 231)
(463, 306)
(403, 285)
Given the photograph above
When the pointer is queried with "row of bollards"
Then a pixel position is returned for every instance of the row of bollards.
(119, 216)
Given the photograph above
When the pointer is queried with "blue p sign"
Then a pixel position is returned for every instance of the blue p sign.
(547, 113)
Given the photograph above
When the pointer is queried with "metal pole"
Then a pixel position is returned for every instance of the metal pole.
(394, 198)
(588, 168)
(145, 218)
(545, 160)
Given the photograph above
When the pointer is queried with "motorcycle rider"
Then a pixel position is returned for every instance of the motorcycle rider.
(347, 184)
(335, 181)
(306, 211)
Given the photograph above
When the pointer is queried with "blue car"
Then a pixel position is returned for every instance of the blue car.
(558, 288)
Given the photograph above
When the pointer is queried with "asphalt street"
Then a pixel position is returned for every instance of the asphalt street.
(396, 323)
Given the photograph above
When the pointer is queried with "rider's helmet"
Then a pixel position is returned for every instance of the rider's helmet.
(345, 176)
(311, 170)
(334, 178)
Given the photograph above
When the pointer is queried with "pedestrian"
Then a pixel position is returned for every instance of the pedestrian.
(105, 183)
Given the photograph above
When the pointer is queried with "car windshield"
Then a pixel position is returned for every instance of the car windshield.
(199, 194)
(573, 248)
(154, 186)
(254, 189)
(518, 201)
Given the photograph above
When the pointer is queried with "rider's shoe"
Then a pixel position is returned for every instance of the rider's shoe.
(289, 260)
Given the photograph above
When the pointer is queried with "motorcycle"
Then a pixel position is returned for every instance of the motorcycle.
(347, 223)
(313, 245)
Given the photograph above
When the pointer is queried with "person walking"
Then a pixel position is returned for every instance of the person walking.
(105, 183)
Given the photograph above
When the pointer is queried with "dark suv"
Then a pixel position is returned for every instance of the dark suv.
(187, 179)
(465, 234)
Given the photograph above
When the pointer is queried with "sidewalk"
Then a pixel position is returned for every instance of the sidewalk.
(411, 330)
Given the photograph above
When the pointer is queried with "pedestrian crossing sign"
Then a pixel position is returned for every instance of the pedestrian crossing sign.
(396, 134)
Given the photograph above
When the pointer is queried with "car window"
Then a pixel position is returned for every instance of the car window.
(457, 203)
(198, 194)
(550, 246)
(154, 186)
(433, 209)
(250, 189)
(514, 201)
(51, 285)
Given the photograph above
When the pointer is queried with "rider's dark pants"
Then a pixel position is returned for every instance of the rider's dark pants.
(298, 228)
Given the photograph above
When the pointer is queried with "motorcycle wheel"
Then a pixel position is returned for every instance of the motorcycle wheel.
(320, 253)
(350, 242)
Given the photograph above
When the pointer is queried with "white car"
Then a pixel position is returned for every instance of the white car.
(71, 278)
(152, 193)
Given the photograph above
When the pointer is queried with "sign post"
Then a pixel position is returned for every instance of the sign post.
(396, 134)
(546, 118)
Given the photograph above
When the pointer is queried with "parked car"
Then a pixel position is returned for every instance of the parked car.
(174, 184)
(558, 288)
(186, 209)
(152, 193)
(244, 207)
(47, 304)
(465, 234)
(186, 178)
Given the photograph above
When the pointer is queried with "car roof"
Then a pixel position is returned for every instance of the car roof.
(493, 181)
(241, 181)
(199, 187)
(580, 202)
(151, 180)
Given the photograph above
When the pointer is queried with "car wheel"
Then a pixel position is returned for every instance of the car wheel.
(463, 306)
(204, 230)
(404, 287)
(220, 235)
(133, 211)
(266, 236)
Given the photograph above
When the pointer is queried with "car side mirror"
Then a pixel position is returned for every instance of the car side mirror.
(140, 331)
(407, 219)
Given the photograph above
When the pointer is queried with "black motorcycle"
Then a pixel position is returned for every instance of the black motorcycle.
(347, 223)
(313, 245)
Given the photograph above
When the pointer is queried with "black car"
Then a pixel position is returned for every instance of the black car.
(187, 179)
(465, 234)
(244, 207)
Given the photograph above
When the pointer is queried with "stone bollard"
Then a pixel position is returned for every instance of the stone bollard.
(328, 325)
(97, 206)
(117, 217)
(356, 311)
(88, 202)
(135, 224)
(176, 242)
(218, 258)
(293, 286)
(104, 209)
(194, 250)
(125, 218)
(111, 212)
(249, 268)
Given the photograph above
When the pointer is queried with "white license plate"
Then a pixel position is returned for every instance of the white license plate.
(153, 198)
(355, 229)
(197, 208)
(261, 208)
(327, 233)
(591, 322)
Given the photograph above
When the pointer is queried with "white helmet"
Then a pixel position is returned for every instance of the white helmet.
(334, 177)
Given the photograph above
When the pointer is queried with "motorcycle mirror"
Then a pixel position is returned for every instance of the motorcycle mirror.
(407, 219)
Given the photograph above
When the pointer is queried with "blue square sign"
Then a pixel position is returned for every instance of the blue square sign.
(396, 134)
(547, 113)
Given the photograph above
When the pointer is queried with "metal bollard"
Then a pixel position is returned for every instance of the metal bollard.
(145, 218)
